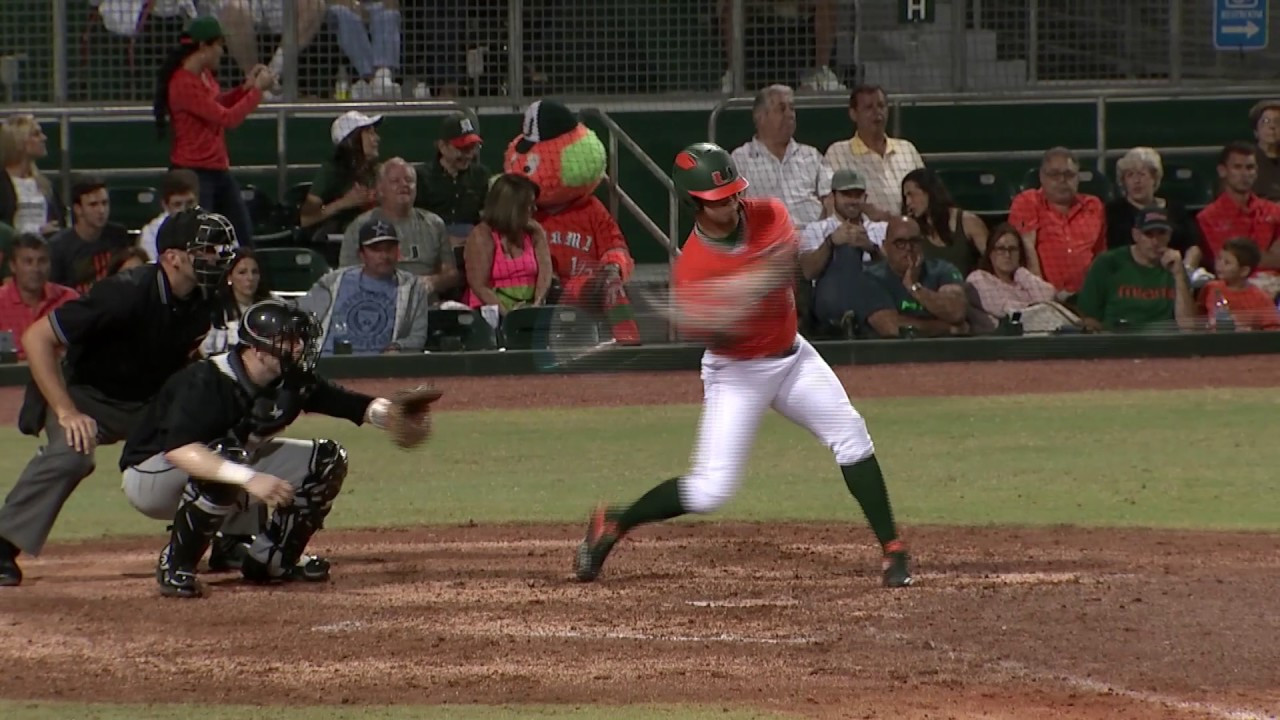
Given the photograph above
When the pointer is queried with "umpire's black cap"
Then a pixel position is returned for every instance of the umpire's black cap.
(178, 231)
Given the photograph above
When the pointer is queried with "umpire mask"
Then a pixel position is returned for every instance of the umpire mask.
(212, 248)
(284, 331)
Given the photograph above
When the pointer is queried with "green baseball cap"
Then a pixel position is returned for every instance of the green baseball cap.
(847, 179)
(204, 29)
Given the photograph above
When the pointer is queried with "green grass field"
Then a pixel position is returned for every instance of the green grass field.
(1199, 459)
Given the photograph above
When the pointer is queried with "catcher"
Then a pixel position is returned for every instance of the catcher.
(206, 448)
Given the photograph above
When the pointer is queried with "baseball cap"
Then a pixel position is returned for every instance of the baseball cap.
(349, 122)
(460, 130)
(373, 232)
(177, 231)
(847, 179)
(1150, 219)
(204, 29)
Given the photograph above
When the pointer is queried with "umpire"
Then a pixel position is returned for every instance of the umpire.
(123, 340)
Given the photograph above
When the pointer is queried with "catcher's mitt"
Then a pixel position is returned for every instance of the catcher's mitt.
(409, 416)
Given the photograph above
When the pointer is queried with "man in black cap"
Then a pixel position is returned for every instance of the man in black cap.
(454, 184)
(122, 340)
(1141, 286)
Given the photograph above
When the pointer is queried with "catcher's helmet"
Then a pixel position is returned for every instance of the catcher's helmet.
(705, 171)
(283, 330)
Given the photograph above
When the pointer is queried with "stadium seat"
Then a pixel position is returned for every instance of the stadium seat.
(293, 199)
(291, 271)
(264, 211)
(133, 206)
(453, 330)
(1189, 186)
(1092, 182)
(536, 328)
(980, 191)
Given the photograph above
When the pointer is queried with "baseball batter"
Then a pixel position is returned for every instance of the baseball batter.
(733, 287)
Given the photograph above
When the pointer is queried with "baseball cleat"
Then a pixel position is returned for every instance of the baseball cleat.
(10, 573)
(602, 535)
(896, 572)
(178, 583)
(309, 569)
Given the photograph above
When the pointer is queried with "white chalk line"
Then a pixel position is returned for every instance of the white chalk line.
(358, 625)
(1078, 682)
(780, 602)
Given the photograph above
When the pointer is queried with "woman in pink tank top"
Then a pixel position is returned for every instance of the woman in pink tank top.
(507, 257)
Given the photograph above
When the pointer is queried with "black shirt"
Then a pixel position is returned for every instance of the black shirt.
(878, 288)
(1268, 183)
(130, 333)
(214, 400)
(455, 199)
(79, 263)
(1120, 217)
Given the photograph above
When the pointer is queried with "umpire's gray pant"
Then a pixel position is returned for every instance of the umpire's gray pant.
(154, 487)
(57, 469)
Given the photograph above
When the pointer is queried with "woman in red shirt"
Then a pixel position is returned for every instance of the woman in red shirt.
(188, 95)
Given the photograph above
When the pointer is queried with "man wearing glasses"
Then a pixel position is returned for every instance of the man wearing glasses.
(907, 294)
(1062, 229)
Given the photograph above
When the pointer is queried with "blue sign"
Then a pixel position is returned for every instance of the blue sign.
(1240, 24)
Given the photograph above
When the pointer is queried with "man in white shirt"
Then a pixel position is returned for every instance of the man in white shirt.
(778, 166)
(179, 190)
(834, 250)
(883, 161)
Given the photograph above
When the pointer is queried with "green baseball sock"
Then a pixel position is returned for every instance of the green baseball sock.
(660, 503)
(866, 484)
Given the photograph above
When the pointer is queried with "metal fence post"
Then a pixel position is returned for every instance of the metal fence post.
(289, 43)
(737, 49)
(515, 51)
(613, 173)
(1175, 42)
(1100, 128)
(959, 45)
(282, 152)
(64, 159)
(60, 51)
(1033, 41)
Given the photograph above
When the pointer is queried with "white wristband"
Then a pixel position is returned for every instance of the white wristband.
(377, 412)
(234, 473)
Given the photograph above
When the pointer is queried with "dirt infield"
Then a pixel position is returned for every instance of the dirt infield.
(1005, 623)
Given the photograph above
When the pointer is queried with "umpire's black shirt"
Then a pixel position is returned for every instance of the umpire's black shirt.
(130, 333)
(213, 400)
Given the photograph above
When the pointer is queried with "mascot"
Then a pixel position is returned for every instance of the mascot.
(567, 161)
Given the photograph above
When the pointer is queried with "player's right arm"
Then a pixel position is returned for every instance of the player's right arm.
(43, 348)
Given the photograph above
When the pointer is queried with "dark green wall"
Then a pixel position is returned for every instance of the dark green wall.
(933, 128)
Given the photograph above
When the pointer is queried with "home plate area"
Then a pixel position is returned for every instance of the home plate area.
(1003, 623)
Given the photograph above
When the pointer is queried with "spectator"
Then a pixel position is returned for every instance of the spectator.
(1143, 285)
(179, 190)
(1265, 119)
(508, 258)
(374, 307)
(127, 259)
(28, 202)
(241, 288)
(29, 296)
(1249, 305)
(81, 255)
(952, 234)
(883, 161)
(423, 238)
(375, 51)
(778, 166)
(834, 250)
(127, 17)
(1238, 212)
(909, 290)
(1140, 172)
(344, 186)
(201, 114)
(803, 18)
(243, 17)
(1002, 280)
(1062, 230)
(454, 185)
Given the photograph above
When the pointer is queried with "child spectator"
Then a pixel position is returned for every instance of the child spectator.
(179, 190)
(1250, 306)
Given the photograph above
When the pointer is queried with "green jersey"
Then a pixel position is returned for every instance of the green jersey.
(1117, 290)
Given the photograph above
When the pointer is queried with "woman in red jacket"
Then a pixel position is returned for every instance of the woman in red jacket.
(188, 94)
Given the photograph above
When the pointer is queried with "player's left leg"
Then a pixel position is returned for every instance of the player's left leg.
(316, 469)
(812, 397)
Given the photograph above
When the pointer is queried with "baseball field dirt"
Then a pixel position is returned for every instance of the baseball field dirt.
(1010, 623)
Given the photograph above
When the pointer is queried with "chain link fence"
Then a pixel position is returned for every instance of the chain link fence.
(511, 50)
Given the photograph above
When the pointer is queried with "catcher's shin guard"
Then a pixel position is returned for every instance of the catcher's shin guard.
(276, 553)
(204, 506)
